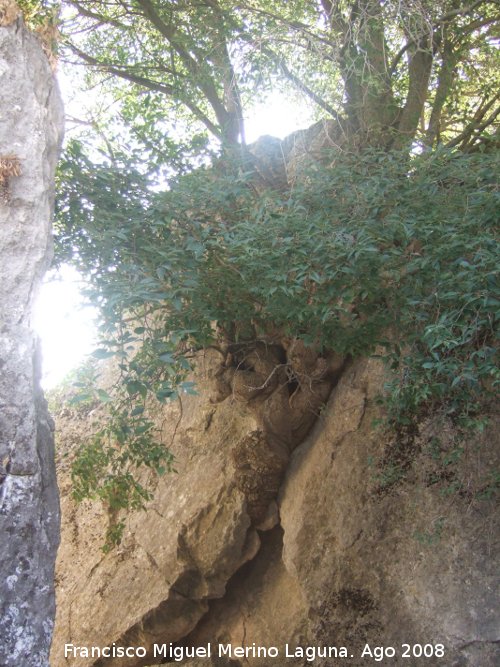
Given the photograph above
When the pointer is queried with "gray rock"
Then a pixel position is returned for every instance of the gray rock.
(31, 121)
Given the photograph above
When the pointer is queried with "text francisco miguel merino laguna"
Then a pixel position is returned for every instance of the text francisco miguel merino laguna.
(179, 653)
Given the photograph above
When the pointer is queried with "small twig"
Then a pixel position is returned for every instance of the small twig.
(178, 422)
(268, 379)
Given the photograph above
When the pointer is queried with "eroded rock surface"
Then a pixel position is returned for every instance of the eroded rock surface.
(31, 124)
(273, 534)
(390, 561)
(356, 558)
(194, 537)
(359, 559)
(232, 444)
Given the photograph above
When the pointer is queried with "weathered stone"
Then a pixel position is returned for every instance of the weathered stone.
(31, 124)
(407, 565)
(264, 605)
(349, 565)
(362, 566)
(259, 472)
(175, 557)
(364, 552)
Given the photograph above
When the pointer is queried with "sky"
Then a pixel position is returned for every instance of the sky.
(64, 323)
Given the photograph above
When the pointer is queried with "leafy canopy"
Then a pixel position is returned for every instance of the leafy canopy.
(389, 72)
(387, 243)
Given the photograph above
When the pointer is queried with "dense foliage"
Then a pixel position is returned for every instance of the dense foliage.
(372, 252)
(365, 250)
(386, 245)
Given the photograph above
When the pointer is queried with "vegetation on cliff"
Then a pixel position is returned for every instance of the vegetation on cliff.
(383, 240)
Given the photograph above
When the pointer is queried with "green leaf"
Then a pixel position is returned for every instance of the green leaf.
(135, 387)
(104, 396)
(189, 388)
(102, 353)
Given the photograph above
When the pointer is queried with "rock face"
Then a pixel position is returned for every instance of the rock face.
(386, 561)
(348, 555)
(31, 124)
(360, 560)
(196, 535)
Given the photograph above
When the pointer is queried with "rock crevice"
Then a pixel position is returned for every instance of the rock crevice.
(339, 564)
(274, 531)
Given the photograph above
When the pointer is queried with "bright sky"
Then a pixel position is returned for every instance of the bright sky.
(278, 118)
(65, 326)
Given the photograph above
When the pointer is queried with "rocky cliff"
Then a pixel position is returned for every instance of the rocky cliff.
(31, 124)
(283, 527)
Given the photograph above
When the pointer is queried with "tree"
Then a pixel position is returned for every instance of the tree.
(362, 248)
(388, 72)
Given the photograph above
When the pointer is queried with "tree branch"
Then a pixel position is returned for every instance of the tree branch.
(476, 125)
(419, 71)
(463, 11)
(165, 89)
(445, 81)
(298, 83)
(293, 78)
(199, 72)
(102, 20)
(378, 108)
(464, 30)
(295, 25)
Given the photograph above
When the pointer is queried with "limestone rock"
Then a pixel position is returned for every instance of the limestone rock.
(279, 163)
(31, 122)
(259, 472)
(175, 557)
(351, 565)
(264, 605)
(356, 559)
(406, 565)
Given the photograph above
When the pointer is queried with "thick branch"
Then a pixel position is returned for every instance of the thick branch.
(353, 87)
(372, 40)
(232, 97)
(419, 70)
(335, 18)
(378, 103)
(165, 89)
(327, 7)
(445, 81)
